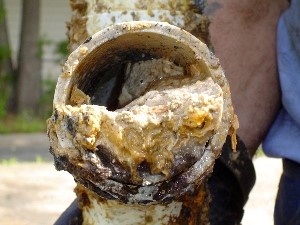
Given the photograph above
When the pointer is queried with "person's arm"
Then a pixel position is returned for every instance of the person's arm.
(243, 33)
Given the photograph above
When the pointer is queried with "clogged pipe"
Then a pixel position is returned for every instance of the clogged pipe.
(141, 112)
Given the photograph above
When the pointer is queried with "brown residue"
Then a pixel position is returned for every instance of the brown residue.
(78, 97)
(195, 207)
(77, 32)
(82, 196)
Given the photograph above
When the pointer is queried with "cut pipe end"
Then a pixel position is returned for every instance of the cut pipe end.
(141, 112)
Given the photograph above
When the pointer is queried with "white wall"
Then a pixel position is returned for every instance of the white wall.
(54, 15)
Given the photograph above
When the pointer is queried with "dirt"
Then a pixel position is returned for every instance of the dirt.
(259, 208)
(33, 193)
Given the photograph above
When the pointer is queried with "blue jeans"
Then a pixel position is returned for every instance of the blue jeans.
(287, 208)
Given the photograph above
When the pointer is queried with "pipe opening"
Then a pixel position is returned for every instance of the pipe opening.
(167, 112)
(104, 72)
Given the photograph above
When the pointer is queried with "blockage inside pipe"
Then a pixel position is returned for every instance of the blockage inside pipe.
(140, 112)
(103, 73)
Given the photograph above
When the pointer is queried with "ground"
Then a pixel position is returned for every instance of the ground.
(32, 192)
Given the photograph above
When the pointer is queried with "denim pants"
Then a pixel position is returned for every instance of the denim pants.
(287, 208)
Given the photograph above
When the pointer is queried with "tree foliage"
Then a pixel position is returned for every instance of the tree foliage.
(6, 67)
(21, 85)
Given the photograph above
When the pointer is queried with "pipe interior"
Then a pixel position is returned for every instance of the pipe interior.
(101, 73)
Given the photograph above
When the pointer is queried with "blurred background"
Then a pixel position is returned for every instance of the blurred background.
(33, 47)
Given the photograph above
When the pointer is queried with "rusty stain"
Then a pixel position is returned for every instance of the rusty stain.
(194, 21)
(83, 126)
(77, 32)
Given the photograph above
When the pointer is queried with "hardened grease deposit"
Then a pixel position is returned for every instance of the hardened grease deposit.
(141, 112)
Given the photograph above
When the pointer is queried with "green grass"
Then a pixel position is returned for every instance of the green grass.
(8, 162)
(39, 159)
(259, 153)
(13, 161)
(22, 124)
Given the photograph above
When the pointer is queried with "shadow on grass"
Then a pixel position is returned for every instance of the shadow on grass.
(22, 124)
